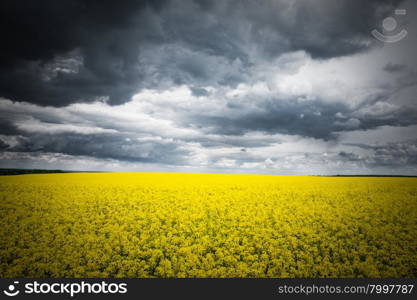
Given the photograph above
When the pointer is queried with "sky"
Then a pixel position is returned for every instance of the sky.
(294, 87)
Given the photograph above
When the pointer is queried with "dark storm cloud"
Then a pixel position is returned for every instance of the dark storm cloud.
(324, 29)
(199, 91)
(61, 52)
(394, 68)
(234, 141)
(305, 118)
(103, 146)
(308, 118)
(388, 155)
(7, 127)
(39, 40)
(349, 156)
(396, 153)
(402, 117)
(3, 145)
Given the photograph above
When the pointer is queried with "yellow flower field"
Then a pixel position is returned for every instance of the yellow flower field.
(200, 225)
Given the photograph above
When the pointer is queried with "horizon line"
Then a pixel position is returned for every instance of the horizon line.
(24, 171)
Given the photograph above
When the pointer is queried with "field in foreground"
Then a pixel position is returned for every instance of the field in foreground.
(199, 225)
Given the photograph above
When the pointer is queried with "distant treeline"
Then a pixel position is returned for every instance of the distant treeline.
(370, 176)
(28, 171)
(43, 171)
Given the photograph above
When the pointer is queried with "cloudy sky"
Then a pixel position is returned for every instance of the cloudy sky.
(239, 86)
